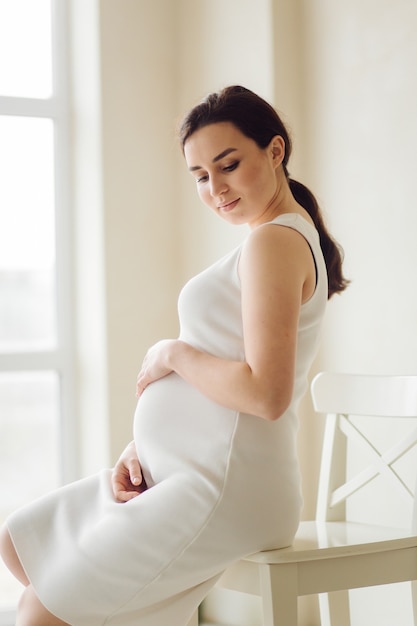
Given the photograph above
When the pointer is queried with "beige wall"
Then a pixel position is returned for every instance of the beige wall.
(221, 44)
(141, 219)
(127, 227)
(344, 76)
(361, 95)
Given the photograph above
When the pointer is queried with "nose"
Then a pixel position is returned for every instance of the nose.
(218, 186)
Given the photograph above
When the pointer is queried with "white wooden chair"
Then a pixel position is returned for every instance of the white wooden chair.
(331, 554)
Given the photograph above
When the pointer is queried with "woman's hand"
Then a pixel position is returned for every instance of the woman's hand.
(127, 480)
(155, 364)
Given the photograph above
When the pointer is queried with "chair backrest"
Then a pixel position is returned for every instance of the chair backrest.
(352, 405)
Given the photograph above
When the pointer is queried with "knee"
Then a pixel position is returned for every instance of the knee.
(24, 609)
(28, 609)
(31, 612)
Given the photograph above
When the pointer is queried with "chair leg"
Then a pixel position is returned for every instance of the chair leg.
(334, 608)
(279, 594)
(414, 598)
(194, 620)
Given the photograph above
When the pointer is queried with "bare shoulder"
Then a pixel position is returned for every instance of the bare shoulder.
(277, 256)
(275, 241)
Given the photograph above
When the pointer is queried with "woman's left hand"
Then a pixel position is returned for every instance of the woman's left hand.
(155, 365)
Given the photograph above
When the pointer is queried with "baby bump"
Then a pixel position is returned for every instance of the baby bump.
(176, 428)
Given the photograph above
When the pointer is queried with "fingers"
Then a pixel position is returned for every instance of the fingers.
(141, 384)
(135, 472)
(122, 495)
(154, 365)
(124, 490)
(127, 481)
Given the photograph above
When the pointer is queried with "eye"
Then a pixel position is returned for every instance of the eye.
(201, 179)
(231, 167)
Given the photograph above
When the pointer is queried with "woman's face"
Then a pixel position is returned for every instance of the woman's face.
(234, 177)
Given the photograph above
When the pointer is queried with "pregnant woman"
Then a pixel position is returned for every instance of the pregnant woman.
(215, 427)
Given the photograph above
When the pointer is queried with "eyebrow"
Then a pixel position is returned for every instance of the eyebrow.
(216, 158)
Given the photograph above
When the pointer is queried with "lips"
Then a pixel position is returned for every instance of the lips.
(228, 206)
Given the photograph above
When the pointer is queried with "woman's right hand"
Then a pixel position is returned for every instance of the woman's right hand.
(127, 480)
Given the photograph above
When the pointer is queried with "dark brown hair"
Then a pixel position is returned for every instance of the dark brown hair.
(259, 121)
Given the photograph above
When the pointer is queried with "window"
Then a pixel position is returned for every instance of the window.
(35, 330)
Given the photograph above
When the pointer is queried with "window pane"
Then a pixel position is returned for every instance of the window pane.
(26, 310)
(27, 235)
(29, 464)
(25, 48)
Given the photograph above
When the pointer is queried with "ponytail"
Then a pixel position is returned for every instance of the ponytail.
(332, 252)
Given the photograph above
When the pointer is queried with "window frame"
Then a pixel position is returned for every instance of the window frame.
(61, 359)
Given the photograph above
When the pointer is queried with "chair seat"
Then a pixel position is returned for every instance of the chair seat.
(316, 540)
(318, 546)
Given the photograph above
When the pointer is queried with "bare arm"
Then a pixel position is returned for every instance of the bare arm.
(277, 275)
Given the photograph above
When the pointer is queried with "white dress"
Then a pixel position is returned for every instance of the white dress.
(221, 484)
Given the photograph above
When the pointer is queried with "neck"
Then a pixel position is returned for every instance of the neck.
(282, 202)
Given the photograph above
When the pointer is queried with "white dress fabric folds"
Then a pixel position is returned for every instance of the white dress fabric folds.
(221, 484)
